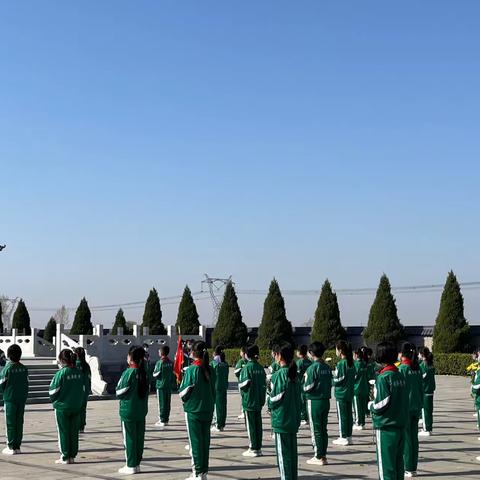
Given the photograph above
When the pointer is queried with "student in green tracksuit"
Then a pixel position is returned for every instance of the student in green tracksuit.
(476, 397)
(253, 388)
(14, 386)
(238, 369)
(428, 374)
(67, 393)
(164, 377)
(197, 392)
(221, 368)
(361, 389)
(82, 365)
(285, 404)
(414, 382)
(303, 363)
(132, 390)
(344, 381)
(388, 414)
(317, 387)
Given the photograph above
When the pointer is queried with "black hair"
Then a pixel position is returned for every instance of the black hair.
(286, 352)
(243, 349)
(200, 352)
(427, 355)
(303, 350)
(137, 354)
(345, 348)
(67, 357)
(80, 353)
(410, 351)
(253, 352)
(14, 353)
(218, 350)
(317, 349)
(222, 356)
(275, 348)
(369, 352)
(164, 350)
(386, 353)
(362, 354)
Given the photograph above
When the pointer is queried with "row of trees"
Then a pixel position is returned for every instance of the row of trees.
(451, 331)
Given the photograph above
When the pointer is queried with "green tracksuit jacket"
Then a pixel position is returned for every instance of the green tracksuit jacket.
(238, 367)
(344, 381)
(87, 377)
(14, 387)
(198, 397)
(414, 383)
(253, 387)
(285, 404)
(317, 387)
(164, 378)
(302, 365)
(221, 387)
(360, 391)
(429, 386)
(67, 392)
(389, 420)
(476, 395)
(132, 409)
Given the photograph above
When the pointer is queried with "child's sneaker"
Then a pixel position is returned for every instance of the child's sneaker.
(215, 429)
(197, 477)
(249, 453)
(303, 422)
(359, 427)
(317, 461)
(8, 451)
(61, 461)
(410, 474)
(424, 433)
(160, 424)
(127, 470)
(241, 416)
(341, 441)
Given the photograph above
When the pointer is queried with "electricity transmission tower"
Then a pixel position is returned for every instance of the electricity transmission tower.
(215, 285)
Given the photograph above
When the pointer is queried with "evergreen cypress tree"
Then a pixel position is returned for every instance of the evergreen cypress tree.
(152, 316)
(327, 327)
(120, 322)
(230, 331)
(275, 328)
(21, 319)
(187, 318)
(50, 330)
(451, 331)
(82, 323)
(383, 322)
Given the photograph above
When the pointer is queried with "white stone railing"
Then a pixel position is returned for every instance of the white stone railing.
(32, 345)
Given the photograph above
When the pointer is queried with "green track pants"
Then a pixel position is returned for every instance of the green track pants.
(478, 417)
(164, 398)
(318, 419)
(427, 413)
(253, 422)
(68, 423)
(199, 440)
(390, 445)
(360, 403)
(133, 441)
(303, 406)
(345, 418)
(14, 413)
(410, 452)
(220, 417)
(83, 416)
(287, 455)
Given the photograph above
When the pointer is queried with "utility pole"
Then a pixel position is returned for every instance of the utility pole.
(215, 285)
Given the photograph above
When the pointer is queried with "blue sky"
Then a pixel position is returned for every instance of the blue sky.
(146, 143)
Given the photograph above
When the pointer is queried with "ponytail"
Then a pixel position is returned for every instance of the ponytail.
(137, 354)
(409, 351)
(200, 352)
(80, 353)
(362, 354)
(345, 348)
(67, 357)
(286, 353)
(427, 355)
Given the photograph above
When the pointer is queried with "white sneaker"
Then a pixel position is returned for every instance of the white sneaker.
(160, 424)
(215, 429)
(358, 427)
(61, 461)
(423, 433)
(410, 474)
(128, 470)
(317, 461)
(8, 451)
(303, 422)
(195, 477)
(341, 441)
(241, 416)
(249, 453)
(187, 447)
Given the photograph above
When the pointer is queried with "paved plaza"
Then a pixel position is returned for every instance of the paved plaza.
(449, 454)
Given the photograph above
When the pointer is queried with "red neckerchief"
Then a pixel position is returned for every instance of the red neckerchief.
(389, 368)
(197, 362)
(407, 361)
(133, 365)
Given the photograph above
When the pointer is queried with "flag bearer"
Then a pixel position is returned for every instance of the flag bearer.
(67, 393)
(82, 365)
(414, 382)
(253, 387)
(163, 374)
(344, 381)
(428, 374)
(238, 369)
(14, 386)
(361, 389)
(132, 390)
(388, 414)
(285, 404)
(220, 367)
(303, 363)
(197, 392)
(318, 390)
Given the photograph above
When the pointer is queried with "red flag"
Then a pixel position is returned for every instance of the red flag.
(179, 358)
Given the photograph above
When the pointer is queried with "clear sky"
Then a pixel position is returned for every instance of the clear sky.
(146, 143)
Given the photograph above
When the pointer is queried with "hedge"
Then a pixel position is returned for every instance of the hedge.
(445, 363)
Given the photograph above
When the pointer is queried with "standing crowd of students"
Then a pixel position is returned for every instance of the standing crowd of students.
(395, 389)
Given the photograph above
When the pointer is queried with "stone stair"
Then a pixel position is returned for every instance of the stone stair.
(40, 374)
